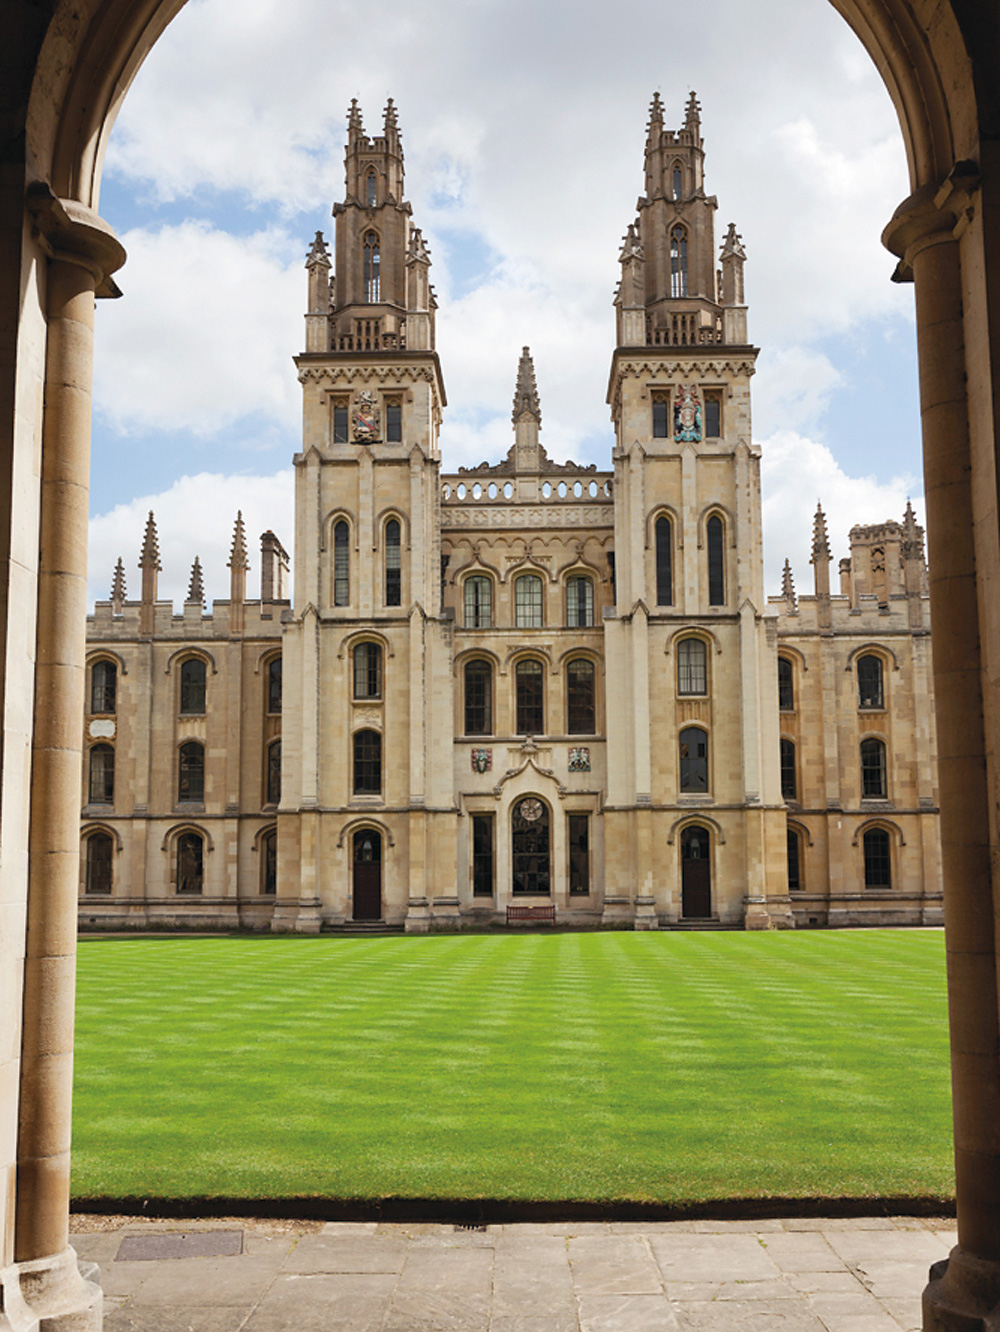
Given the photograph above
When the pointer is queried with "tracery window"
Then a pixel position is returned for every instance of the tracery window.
(664, 562)
(101, 785)
(367, 670)
(661, 414)
(478, 592)
(870, 690)
(713, 415)
(678, 262)
(716, 561)
(371, 265)
(269, 863)
(873, 779)
(478, 698)
(482, 855)
(692, 666)
(528, 602)
(693, 743)
(530, 850)
(581, 712)
(530, 698)
(394, 422)
(794, 860)
(341, 564)
(393, 564)
(371, 190)
(579, 603)
(677, 182)
(103, 687)
(578, 836)
(274, 685)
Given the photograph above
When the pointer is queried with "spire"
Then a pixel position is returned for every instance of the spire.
(655, 127)
(788, 587)
(118, 588)
(821, 542)
(526, 392)
(196, 588)
(390, 122)
(149, 556)
(319, 255)
(354, 125)
(238, 554)
(692, 116)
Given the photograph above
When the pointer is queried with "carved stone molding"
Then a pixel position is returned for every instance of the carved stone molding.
(528, 515)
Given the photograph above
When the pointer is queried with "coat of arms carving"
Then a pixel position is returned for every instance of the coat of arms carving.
(482, 760)
(687, 413)
(579, 758)
(366, 418)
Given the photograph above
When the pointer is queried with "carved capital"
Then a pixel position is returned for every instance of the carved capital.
(76, 234)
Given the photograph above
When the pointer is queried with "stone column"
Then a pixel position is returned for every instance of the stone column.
(964, 1290)
(82, 251)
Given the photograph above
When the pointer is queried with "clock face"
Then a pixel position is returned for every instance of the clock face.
(530, 810)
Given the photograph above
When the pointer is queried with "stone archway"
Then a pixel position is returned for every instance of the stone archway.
(67, 67)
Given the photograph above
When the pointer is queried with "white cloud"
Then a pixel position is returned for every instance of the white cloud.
(796, 474)
(205, 333)
(196, 516)
(792, 388)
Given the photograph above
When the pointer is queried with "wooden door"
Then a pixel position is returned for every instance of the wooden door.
(696, 874)
(367, 875)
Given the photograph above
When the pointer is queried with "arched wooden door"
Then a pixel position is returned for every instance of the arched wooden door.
(696, 874)
(367, 875)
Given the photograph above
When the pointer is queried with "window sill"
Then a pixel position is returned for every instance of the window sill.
(189, 807)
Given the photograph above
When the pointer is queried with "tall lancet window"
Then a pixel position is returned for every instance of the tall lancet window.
(678, 262)
(371, 268)
(371, 190)
(678, 181)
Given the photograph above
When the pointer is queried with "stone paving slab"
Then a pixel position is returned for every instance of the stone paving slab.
(784, 1275)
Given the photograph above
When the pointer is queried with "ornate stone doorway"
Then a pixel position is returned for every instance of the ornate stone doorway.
(531, 852)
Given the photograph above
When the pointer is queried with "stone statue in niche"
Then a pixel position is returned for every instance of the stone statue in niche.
(366, 418)
(687, 414)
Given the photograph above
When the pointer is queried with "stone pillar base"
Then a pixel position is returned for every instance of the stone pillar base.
(50, 1295)
(618, 911)
(447, 913)
(756, 915)
(963, 1295)
(645, 914)
(418, 916)
(301, 917)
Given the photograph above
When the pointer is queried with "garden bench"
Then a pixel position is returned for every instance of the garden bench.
(546, 912)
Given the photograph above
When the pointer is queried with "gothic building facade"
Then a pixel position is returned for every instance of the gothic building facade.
(530, 683)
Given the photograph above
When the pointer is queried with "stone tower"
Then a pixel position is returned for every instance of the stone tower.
(691, 648)
(367, 646)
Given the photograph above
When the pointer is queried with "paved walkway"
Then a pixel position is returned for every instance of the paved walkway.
(695, 1276)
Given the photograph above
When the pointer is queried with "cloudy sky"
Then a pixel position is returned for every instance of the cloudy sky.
(523, 126)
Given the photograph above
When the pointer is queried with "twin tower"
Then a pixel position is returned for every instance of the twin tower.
(529, 684)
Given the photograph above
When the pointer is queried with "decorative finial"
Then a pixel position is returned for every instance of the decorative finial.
(655, 113)
(733, 244)
(526, 392)
(196, 588)
(118, 587)
(913, 535)
(821, 542)
(391, 123)
(319, 255)
(238, 555)
(149, 556)
(631, 245)
(417, 251)
(788, 586)
(354, 117)
(692, 116)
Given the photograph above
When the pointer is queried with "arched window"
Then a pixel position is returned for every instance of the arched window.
(191, 772)
(269, 863)
(530, 700)
(870, 691)
(371, 256)
(694, 759)
(692, 666)
(579, 603)
(393, 564)
(786, 686)
(664, 563)
(274, 685)
(873, 768)
(101, 786)
(274, 773)
(478, 698)
(100, 859)
(367, 670)
(878, 858)
(677, 182)
(716, 563)
(341, 564)
(193, 687)
(580, 707)
(103, 687)
(478, 602)
(528, 602)
(367, 763)
(794, 860)
(678, 262)
(789, 787)
(190, 859)
(371, 190)
(530, 850)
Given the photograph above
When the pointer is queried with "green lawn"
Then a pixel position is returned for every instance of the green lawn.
(667, 1067)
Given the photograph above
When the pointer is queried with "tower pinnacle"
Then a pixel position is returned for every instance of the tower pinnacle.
(149, 556)
(788, 586)
(821, 542)
(238, 554)
(196, 587)
(118, 588)
(526, 392)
